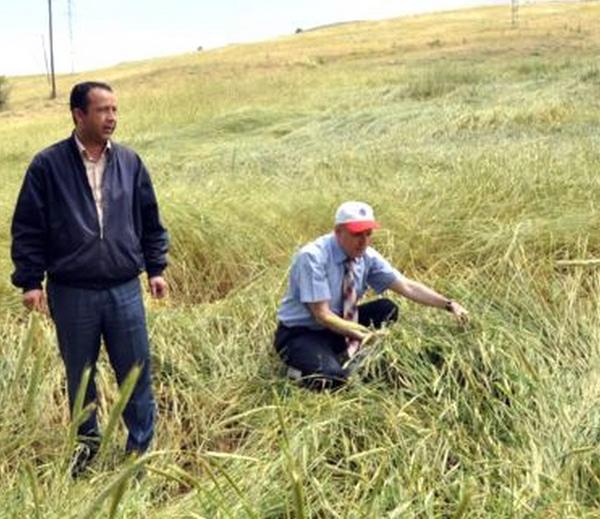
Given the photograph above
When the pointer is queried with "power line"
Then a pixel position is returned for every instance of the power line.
(53, 94)
(70, 15)
(45, 59)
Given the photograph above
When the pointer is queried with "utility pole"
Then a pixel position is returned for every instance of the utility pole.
(514, 4)
(53, 94)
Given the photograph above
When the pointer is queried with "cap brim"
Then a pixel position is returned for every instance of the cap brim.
(356, 227)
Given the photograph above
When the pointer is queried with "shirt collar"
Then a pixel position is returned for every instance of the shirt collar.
(84, 152)
(339, 256)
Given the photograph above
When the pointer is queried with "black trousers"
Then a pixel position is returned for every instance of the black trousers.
(317, 353)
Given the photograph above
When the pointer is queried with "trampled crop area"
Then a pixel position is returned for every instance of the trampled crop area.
(478, 145)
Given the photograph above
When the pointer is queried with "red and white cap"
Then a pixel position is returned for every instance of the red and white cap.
(356, 217)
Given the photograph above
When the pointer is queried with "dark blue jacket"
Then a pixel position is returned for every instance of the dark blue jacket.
(55, 227)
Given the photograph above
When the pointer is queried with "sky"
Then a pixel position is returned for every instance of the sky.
(106, 32)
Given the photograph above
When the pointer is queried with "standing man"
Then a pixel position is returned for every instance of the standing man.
(320, 324)
(87, 219)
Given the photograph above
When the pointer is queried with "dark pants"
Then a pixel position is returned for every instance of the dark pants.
(317, 353)
(82, 318)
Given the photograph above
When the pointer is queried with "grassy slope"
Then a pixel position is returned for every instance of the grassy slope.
(478, 146)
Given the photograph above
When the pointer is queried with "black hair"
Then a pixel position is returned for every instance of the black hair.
(79, 94)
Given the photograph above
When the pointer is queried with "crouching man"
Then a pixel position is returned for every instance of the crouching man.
(321, 324)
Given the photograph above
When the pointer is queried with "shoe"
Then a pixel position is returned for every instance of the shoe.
(131, 456)
(293, 373)
(83, 456)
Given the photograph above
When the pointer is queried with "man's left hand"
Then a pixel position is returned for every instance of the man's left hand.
(158, 287)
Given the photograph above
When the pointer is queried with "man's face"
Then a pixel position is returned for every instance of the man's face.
(98, 123)
(353, 244)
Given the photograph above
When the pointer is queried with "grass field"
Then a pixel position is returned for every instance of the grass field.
(478, 145)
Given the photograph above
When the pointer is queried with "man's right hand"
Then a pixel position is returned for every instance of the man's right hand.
(35, 300)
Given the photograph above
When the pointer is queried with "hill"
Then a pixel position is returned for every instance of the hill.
(477, 143)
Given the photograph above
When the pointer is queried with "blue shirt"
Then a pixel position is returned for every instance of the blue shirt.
(317, 274)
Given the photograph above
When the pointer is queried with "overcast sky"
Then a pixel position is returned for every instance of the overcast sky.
(106, 32)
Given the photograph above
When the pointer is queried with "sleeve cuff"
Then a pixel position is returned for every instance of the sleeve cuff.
(32, 286)
(152, 273)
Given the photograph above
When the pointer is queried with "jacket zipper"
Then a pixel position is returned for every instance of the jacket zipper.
(101, 215)
(107, 158)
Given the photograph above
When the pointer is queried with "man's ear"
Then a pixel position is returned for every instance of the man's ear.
(77, 114)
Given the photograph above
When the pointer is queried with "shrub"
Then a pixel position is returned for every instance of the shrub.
(590, 75)
(438, 81)
(4, 91)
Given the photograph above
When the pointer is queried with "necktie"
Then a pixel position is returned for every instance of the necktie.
(349, 303)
